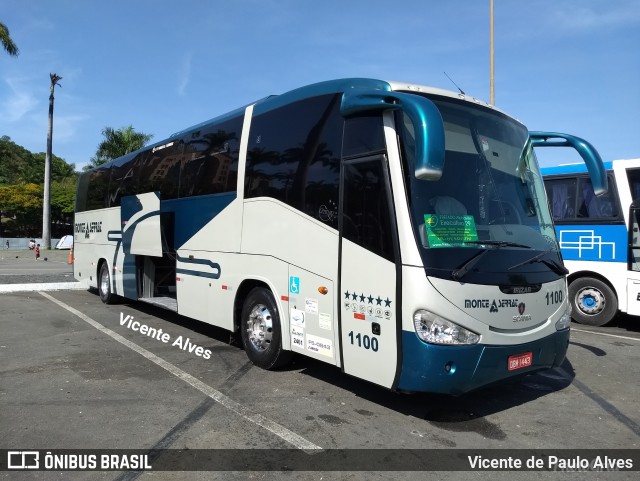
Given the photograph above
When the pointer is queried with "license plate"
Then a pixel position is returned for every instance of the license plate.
(520, 360)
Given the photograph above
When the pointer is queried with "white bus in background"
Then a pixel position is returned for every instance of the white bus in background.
(398, 232)
(599, 238)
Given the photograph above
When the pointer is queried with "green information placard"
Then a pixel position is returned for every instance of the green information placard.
(450, 230)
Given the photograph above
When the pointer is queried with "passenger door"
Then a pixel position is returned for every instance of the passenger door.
(633, 263)
(368, 275)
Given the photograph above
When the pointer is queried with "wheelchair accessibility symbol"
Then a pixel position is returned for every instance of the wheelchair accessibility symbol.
(294, 285)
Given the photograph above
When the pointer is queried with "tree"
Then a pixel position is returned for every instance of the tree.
(117, 143)
(22, 204)
(20, 166)
(6, 41)
(46, 203)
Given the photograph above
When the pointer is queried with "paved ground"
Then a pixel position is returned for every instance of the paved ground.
(20, 267)
(73, 376)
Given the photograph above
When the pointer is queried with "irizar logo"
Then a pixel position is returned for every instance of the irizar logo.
(494, 307)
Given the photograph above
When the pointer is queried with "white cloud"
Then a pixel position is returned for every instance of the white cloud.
(19, 102)
(615, 14)
(185, 74)
(65, 127)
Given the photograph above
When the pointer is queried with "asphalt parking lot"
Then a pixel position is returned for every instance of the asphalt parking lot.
(72, 376)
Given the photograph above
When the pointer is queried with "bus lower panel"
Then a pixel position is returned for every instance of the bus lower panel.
(458, 369)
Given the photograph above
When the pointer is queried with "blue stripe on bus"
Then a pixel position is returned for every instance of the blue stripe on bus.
(210, 275)
(193, 260)
(602, 243)
(193, 213)
(424, 365)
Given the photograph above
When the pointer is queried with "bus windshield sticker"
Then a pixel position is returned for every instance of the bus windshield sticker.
(450, 230)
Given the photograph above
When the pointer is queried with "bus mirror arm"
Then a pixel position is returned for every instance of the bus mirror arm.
(587, 151)
(425, 117)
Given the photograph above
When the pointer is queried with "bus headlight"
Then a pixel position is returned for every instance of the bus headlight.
(436, 330)
(565, 320)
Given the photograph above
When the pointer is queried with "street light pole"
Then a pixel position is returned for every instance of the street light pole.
(492, 93)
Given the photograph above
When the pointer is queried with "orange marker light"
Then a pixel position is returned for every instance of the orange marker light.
(323, 290)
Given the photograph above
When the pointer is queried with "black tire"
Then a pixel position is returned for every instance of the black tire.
(593, 302)
(104, 284)
(261, 330)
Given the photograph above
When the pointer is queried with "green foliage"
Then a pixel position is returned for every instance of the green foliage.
(117, 143)
(21, 187)
(8, 44)
(18, 165)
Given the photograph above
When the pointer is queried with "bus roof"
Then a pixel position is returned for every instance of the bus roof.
(579, 167)
(330, 86)
(342, 85)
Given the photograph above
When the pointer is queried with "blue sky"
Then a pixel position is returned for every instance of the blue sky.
(562, 65)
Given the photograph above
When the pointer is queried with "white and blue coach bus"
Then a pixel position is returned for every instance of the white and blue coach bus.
(399, 232)
(598, 237)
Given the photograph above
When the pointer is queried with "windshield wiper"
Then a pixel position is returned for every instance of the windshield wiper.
(497, 243)
(553, 265)
(461, 271)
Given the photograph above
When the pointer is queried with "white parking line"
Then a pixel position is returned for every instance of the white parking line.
(605, 334)
(271, 426)
(48, 286)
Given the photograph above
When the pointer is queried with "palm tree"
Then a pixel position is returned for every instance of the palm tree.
(117, 143)
(46, 201)
(6, 41)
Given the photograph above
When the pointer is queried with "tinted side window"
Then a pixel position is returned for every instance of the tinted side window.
(210, 164)
(98, 186)
(590, 206)
(363, 135)
(124, 178)
(294, 156)
(633, 176)
(366, 218)
(562, 197)
(82, 190)
(160, 170)
(572, 200)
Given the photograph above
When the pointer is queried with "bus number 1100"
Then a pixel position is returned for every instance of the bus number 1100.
(362, 340)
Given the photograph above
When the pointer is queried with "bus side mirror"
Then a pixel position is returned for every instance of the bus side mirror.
(587, 151)
(425, 117)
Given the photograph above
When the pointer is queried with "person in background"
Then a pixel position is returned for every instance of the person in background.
(7, 244)
(37, 251)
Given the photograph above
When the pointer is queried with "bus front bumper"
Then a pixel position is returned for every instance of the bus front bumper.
(458, 369)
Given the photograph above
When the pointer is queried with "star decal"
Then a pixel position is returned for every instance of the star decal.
(361, 297)
(354, 296)
(378, 301)
(370, 299)
(387, 302)
(346, 295)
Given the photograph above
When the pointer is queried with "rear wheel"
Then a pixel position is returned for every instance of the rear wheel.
(104, 284)
(262, 331)
(594, 303)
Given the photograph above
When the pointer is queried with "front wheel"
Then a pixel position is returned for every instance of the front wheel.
(262, 330)
(594, 303)
(104, 284)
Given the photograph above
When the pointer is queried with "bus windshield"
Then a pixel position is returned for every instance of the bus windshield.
(490, 197)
